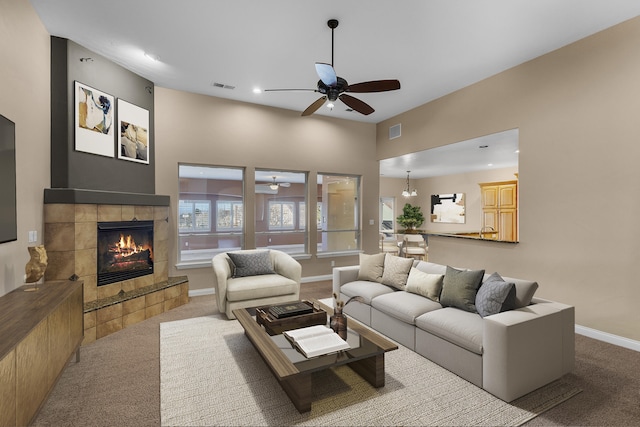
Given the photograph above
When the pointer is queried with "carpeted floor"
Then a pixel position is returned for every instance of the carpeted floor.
(210, 374)
(117, 382)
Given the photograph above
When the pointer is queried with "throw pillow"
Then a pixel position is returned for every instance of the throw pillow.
(495, 296)
(251, 263)
(426, 284)
(459, 288)
(396, 271)
(371, 267)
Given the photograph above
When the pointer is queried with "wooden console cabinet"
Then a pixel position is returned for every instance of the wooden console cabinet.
(39, 333)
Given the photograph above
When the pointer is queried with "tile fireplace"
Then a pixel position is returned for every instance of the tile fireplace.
(74, 222)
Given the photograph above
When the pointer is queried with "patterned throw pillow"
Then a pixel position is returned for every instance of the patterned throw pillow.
(426, 284)
(396, 271)
(251, 263)
(371, 267)
(495, 296)
(460, 287)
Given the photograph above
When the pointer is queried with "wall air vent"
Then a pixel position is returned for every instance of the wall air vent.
(395, 131)
(222, 85)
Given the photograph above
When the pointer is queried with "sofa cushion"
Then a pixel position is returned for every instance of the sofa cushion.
(456, 326)
(525, 289)
(251, 263)
(260, 286)
(365, 289)
(426, 284)
(459, 288)
(495, 296)
(404, 305)
(396, 270)
(371, 267)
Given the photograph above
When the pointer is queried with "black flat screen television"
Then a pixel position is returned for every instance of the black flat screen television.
(8, 215)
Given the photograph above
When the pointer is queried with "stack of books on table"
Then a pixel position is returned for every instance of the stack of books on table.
(316, 340)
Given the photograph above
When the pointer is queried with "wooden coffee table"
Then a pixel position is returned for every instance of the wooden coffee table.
(293, 370)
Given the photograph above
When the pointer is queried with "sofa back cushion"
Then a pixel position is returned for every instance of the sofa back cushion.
(459, 288)
(525, 289)
(428, 285)
(371, 267)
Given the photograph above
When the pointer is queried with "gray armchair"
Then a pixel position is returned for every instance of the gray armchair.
(282, 285)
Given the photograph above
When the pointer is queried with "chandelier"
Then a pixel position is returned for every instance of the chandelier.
(407, 192)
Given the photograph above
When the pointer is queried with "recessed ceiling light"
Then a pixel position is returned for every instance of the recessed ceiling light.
(490, 164)
(257, 90)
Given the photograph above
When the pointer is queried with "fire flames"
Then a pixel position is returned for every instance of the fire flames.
(127, 247)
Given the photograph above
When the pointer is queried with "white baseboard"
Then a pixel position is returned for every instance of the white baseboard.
(201, 292)
(316, 278)
(608, 338)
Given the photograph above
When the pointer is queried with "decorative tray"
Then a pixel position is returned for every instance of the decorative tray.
(275, 326)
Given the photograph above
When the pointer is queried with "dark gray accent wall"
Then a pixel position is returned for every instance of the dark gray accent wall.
(80, 170)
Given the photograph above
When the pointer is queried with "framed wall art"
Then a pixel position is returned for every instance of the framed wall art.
(133, 124)
(94, 120)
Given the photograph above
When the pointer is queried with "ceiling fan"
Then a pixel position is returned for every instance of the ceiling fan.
(274, 185)
(334, 87)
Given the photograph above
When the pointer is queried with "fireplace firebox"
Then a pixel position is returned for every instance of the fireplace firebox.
(125, 250)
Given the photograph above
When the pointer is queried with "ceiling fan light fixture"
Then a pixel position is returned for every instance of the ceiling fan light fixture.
(274, 185)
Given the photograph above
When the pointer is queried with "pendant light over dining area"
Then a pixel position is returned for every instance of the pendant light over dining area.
(407, 192)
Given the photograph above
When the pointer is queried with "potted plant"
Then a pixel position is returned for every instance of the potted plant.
(411, 217)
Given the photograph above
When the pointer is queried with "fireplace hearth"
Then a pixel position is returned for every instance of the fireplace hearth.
(125, 250)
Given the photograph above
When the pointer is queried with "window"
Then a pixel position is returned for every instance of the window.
(280, 201)
(194, 215)
(281, 215)
(339, 213)
(210, 212)
(228, 215)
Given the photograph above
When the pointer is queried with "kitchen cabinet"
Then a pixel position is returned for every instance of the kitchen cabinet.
(500, 210)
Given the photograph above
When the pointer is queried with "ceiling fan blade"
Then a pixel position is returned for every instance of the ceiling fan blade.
(327, 74)
(282, 90)
(356, 104)
(313, 107)
(374, 86)
(284, 184)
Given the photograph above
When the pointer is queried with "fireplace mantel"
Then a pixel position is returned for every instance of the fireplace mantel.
(81, 196)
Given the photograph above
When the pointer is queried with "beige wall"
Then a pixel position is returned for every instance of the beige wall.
(201, 129)
(578, 113)
(25, 99)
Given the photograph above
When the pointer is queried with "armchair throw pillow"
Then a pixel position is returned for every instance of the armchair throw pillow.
(251, 263)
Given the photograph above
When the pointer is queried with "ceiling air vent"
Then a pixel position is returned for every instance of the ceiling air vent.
(395, 131)
(222, 85)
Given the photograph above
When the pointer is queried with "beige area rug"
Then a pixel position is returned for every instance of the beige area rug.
(210, 374)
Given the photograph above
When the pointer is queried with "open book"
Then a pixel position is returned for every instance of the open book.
(316, 340)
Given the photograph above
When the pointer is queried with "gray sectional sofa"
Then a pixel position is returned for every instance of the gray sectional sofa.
(526, 344)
